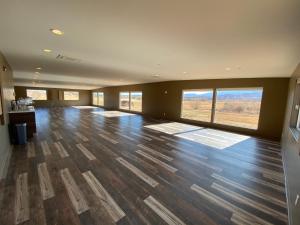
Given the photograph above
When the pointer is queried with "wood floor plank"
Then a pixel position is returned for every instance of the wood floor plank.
(250, 218)
(22, 199)
(78, 201)
(157, 161)
(30, 150)
(154, 152)
(138, 172)
(57, 135)
(82, 137)
(108, 139)
(250, 190)
(247, 201)
(106, 200)
(200, 162)
(125, 136)
(141, 136)
(45, 182)
(86, 152)
(162, 211)
(45, 148)
(61, 150)
(265, 183)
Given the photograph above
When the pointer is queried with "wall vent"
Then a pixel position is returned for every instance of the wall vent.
(67, 58)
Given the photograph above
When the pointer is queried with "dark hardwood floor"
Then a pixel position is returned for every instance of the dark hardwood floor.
(87, 168)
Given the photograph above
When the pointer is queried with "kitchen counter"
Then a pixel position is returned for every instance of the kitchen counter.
(24, 116)
(22, 111)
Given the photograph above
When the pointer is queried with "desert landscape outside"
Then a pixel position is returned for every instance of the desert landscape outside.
(136, 101)
(233, 107)
(36, 94)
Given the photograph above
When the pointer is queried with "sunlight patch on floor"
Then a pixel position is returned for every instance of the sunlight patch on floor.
(210, 137)
(113, 113)
(85, 107)
(214, 138)
(173, 128)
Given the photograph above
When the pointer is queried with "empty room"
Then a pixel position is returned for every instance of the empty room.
(149, 112)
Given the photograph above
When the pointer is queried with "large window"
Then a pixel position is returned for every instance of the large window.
(71, 95)
(95, 98)
(131, 101)
(197, 105)
(136, 101)
(100, 99)
(36, 94)
(124, 100)
(238, 107)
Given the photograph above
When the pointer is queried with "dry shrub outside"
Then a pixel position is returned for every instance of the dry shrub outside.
(240, 113)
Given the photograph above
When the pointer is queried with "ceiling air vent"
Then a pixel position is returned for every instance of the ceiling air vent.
(67, 58)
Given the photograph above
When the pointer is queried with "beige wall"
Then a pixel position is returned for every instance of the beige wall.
(53, 97)
(7, 91)
(291, 150)
(157, 103)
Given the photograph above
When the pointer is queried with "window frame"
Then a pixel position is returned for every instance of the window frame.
(129, 107)
(238, 88)
(98, 104)
(37, 90)
(130, 101)
(96, 98)
(212, 103)
(71, 99)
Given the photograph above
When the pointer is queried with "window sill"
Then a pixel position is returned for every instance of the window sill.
(295, 133)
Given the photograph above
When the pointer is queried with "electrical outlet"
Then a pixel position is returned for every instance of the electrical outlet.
(297, 200)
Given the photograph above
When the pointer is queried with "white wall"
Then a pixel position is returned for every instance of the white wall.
(7, 92)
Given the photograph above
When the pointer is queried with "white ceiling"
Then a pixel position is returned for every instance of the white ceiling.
(128, 41)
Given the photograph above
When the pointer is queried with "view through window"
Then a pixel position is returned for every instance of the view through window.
(131, 101)
(100, 99)
(124, 100)
(71, 95)
(136, 101)
(197, 105)
(238, 107)
(95, 98)
(36, 94)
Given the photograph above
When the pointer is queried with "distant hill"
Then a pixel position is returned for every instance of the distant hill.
(247, 94)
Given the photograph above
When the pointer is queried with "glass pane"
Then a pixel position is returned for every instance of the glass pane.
(95, 98)
(238, 107)
(71, 95)
(197, 105)
(136, 101)
(100, 99)
(124, 100)
(37, 94)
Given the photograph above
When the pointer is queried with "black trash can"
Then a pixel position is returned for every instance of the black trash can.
(21, 133)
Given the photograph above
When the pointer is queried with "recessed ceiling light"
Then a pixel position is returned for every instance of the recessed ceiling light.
(155, 75)
(37, 72)
(56, 31)
(228, 69)
(47, 50)
(38, 68)
(184, 72)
